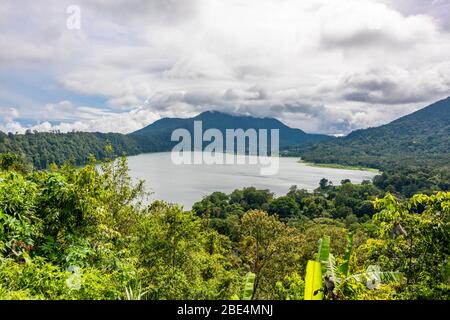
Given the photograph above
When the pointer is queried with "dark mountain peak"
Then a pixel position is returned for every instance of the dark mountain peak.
(222, 121)
(244, 121)
(223, 114)
(212, 114)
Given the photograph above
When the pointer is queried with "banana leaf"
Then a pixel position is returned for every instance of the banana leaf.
(249, 282)
(324, 252)
(345, 266)
(374, 277)
(332, 270)
(313, 281)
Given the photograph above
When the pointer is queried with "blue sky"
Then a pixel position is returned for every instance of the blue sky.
(322, 66)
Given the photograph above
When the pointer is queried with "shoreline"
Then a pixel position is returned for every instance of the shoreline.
(338, 166)
(310, 164)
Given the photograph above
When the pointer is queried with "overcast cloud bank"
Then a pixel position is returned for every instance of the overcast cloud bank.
(322, 66)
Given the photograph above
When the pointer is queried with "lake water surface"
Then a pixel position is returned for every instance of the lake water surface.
(187, 184)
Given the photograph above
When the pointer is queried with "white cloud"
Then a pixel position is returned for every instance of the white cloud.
(323, 66)
(8, 114)
(370, 24)
(124, 122)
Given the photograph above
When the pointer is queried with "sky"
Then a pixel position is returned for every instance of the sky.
(118, 65)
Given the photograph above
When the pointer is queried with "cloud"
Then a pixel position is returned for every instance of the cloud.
(396, 86)
(8, 114)
(124, 122)
(138, 11)
(23, 51)
(307, 109)
(323, 66)
(438, 9)
(372, 24)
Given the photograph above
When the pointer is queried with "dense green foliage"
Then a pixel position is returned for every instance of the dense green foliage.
(42, 149)
(349, 202)
(84, 233)
(79, 234)
(416, 242)
(408, 181)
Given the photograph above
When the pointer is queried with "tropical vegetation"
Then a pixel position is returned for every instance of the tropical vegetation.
(90, 232)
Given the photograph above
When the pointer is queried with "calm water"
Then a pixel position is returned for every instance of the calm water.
(187, 184)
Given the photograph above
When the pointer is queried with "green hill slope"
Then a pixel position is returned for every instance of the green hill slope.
(420, 138)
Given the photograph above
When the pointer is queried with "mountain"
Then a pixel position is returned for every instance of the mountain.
(156, 137)
(43, 148)
(420, 138)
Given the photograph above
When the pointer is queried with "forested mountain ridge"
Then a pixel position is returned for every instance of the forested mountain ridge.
(420, 138)
(162, 129)
(43, 148)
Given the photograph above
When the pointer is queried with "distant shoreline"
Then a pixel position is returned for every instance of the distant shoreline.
(309, 164)
(338, 166)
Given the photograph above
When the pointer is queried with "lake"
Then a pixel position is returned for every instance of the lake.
(186, 184)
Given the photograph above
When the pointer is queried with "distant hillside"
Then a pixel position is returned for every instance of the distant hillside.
(161, 130)
(42, 149)
(420, 138)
